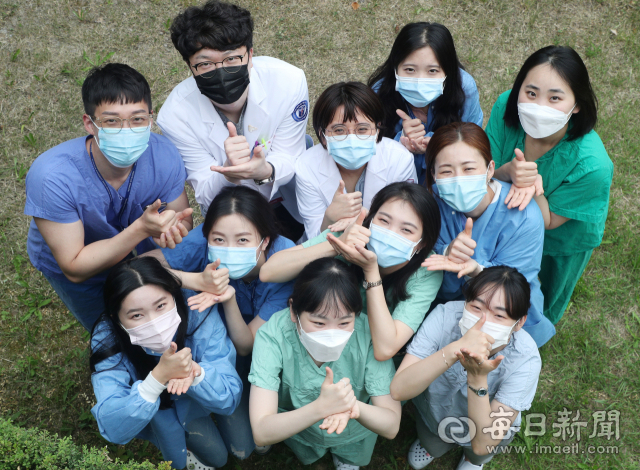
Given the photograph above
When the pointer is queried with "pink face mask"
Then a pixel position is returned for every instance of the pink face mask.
(157, 334)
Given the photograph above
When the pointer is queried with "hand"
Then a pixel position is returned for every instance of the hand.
(214, 280)
(414, 133)
(174, 235)
(356, 234)
(342, 224)
(344, 204)
(476, 341)
(179, 386)
(173, 365)
(443, 263)
(236, 147)
(522, 172)
(356, 254)
(204, 300)
(476, 365)
(154, 223)
(335, 398)
(521, 197)
(338, 422)
(461, 249)
(240, 164)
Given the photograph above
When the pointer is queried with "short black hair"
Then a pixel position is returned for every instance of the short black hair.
(114, 83)
(247, 202)
(517, 292)
(323, 286)
(354, 96)
(568, 64)
(216, 25)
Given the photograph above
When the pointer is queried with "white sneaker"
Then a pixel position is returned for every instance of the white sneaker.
(466, 465)
(194, 464)
(418, 457)
(343, 466)
(262, 450)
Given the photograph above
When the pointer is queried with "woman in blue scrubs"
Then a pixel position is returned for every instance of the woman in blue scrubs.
(423, 87)
(478, 230)
(158, 370)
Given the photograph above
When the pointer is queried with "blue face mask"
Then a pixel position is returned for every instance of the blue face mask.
(239, 261)
(390, 248)
(463, 193)
(419, 91)
(124, 148)
(352, 153)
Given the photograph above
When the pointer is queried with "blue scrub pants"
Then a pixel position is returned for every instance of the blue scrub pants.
(84, 301)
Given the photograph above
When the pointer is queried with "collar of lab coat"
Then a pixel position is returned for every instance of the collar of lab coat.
(374, 176)
(255, 114)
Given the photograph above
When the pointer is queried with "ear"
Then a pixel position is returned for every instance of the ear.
(88, 125)
(294, 317)
(491, 169)
(576, 110)
(520, 324)
(265, 244)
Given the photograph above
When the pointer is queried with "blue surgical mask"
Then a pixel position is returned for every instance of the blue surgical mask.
(124, 148)
(463, 193)
(390, 248)
(353, 152)
(238, 260)
(419, 91)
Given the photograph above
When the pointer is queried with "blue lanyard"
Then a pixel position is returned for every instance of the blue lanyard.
(106, 187)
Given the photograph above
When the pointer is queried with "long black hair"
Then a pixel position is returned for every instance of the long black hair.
(448, 107)
(428, 212)
(122, 281)
(323, 286)
(248, 203)
(568, 64)
(517, 292)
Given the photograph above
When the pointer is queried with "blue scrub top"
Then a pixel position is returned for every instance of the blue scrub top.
(257, 298)
(63, 186)
(122, 414)
(504, 237)
(471, 112)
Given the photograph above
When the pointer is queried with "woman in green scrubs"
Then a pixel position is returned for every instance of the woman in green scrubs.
(297, 356)
(542, 141)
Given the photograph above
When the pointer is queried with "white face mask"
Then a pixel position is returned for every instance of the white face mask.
(325, 345)
(498, 332)
(542, 121)
(158, 333)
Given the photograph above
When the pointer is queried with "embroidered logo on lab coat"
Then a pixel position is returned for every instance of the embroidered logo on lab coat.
(251, 128)
(301, 111)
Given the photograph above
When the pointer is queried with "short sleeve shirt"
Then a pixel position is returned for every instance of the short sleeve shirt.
(282, 364)
(422, 287)
(576, 175)
(62, 186)
(256, 298)
(513, 383)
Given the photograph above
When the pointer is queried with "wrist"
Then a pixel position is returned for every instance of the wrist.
(372, 273)
(477, 381)
(449, 353)
(159, 376)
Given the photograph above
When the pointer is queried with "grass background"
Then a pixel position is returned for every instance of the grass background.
(46, 47)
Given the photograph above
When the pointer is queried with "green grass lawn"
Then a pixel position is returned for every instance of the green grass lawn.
(591, 365)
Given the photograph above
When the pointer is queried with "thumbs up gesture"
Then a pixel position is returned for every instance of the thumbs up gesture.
(154, 223)
(520, 196)
(335, 397)
(343, 205)
(352, 246)
(462, 247)
(476, 341)
(214, 279)
(522, 172)
(243, 163)
(414, 133)
(173, 364)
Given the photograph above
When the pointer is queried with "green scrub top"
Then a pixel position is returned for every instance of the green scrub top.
(422, 287)
(576, 175)
(281, 363)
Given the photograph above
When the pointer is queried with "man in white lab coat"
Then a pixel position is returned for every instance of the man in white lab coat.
(239, 119)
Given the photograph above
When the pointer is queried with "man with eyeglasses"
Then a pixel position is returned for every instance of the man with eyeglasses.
(239, 119)
(97, 199)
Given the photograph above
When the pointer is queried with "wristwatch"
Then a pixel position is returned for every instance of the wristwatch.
(481, 392)
(270, 179)
(368, 285)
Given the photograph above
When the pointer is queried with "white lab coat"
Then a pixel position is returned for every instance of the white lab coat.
(318, 177)
(276, 91)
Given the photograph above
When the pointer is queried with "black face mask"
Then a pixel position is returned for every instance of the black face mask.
(224, 87)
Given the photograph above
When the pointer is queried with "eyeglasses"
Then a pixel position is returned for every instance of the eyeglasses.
(113, 124)
(341, 132)
(230, 64)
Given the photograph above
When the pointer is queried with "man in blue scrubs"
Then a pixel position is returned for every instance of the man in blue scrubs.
(98, 198)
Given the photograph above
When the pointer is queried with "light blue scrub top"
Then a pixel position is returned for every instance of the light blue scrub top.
(122, 414)
(508, 237)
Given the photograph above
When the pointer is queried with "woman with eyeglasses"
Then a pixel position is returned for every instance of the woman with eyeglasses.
(352, 162)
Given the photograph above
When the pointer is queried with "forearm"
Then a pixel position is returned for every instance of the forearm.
(479, 413)
(503, 173)
(415, 379)
(384, 333)
(238, 330)
(381, 420)
(285, 265)
(551, 220)
(277, 427)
